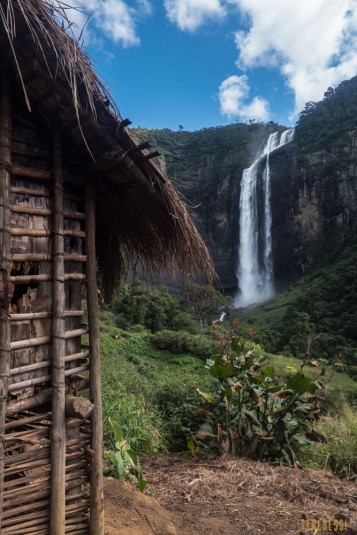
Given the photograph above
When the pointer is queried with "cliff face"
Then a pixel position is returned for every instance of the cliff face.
(313, 183)
(207, 166)
(314, 206)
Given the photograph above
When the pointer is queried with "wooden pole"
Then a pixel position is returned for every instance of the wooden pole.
(96, 480)
(58, 431)
(5, 262)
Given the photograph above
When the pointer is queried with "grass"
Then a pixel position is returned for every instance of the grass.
(339, 383)
(339, 454)
(151, 393)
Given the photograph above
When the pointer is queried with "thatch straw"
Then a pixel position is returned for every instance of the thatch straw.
(140, 214)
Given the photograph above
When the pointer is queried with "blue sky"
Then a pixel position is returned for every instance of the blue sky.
(201, 63)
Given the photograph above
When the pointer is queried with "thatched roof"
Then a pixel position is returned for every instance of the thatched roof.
(140, 214)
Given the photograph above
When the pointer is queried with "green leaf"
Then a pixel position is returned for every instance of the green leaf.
(119, 466)
(236, 346)
(222, 371)
(268, 372)
(300, 383)
(142, 482)
(301, 439)
(228, 392)
(117, 429)
(252, 415)
(205, 396)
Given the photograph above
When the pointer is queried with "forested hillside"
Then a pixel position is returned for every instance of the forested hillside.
(314, 214)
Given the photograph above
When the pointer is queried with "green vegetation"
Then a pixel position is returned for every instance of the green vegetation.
(339, 452)
(254, 413)
(123, 461)
(154, 308)
(149, 393)
(153, 385)
(327, 124)
(231, 144)
(318, 315)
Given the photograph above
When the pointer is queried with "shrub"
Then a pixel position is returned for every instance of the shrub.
(154, 308)
(182, 342)
(254, 415)
(175, 400)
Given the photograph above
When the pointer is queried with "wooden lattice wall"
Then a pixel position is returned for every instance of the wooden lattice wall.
(50, 455)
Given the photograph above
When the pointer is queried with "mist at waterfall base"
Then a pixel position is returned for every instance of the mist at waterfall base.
(255, 263)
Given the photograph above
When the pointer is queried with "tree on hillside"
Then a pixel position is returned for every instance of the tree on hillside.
(205, 301)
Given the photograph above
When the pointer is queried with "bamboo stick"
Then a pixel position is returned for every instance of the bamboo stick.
(21, 526)
(75, 258)
(58, 432)
(45, 212)
(96, 476)
(29, 382)
(46, 364)
(31, 257)
(76, 356)
(18, 459)
(23, 518)
(34, 488)
(75, 333)
(41, 233)
(72, 510)
(46, 257)
(73, 371)
(75, 233)
(5, 262)
(35, 233)
(29, 172)
(30, 342)
(74, 277)
(15, 511)
(73, 313)
(30, 191)
(30, 316)
(30, 367)
(74, 215)
(28, 279)
(19, 422)
(43, 315)
(18, 209)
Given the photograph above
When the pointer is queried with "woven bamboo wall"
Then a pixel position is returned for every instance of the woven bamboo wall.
(27, 481)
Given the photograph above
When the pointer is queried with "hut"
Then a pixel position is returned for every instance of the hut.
(79, 199)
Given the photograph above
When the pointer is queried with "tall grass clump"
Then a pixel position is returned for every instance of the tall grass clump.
(339, 453)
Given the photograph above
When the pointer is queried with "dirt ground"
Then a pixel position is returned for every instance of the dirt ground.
(229, 497)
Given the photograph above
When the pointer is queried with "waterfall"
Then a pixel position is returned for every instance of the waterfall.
(255, 266)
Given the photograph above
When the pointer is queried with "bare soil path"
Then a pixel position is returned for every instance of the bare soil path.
(229, 497)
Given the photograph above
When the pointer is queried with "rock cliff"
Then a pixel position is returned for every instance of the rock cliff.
(313, 183)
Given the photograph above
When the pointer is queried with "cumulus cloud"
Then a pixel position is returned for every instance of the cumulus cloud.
(233, 96)
(190, 14)
(113, 19)
(312, 42)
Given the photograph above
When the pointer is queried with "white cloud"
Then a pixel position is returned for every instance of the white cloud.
(233, 95)
(190, 14)
(312, 42)
(113, 19)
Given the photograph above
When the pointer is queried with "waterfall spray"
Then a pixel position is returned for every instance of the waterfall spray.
(255, 266)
